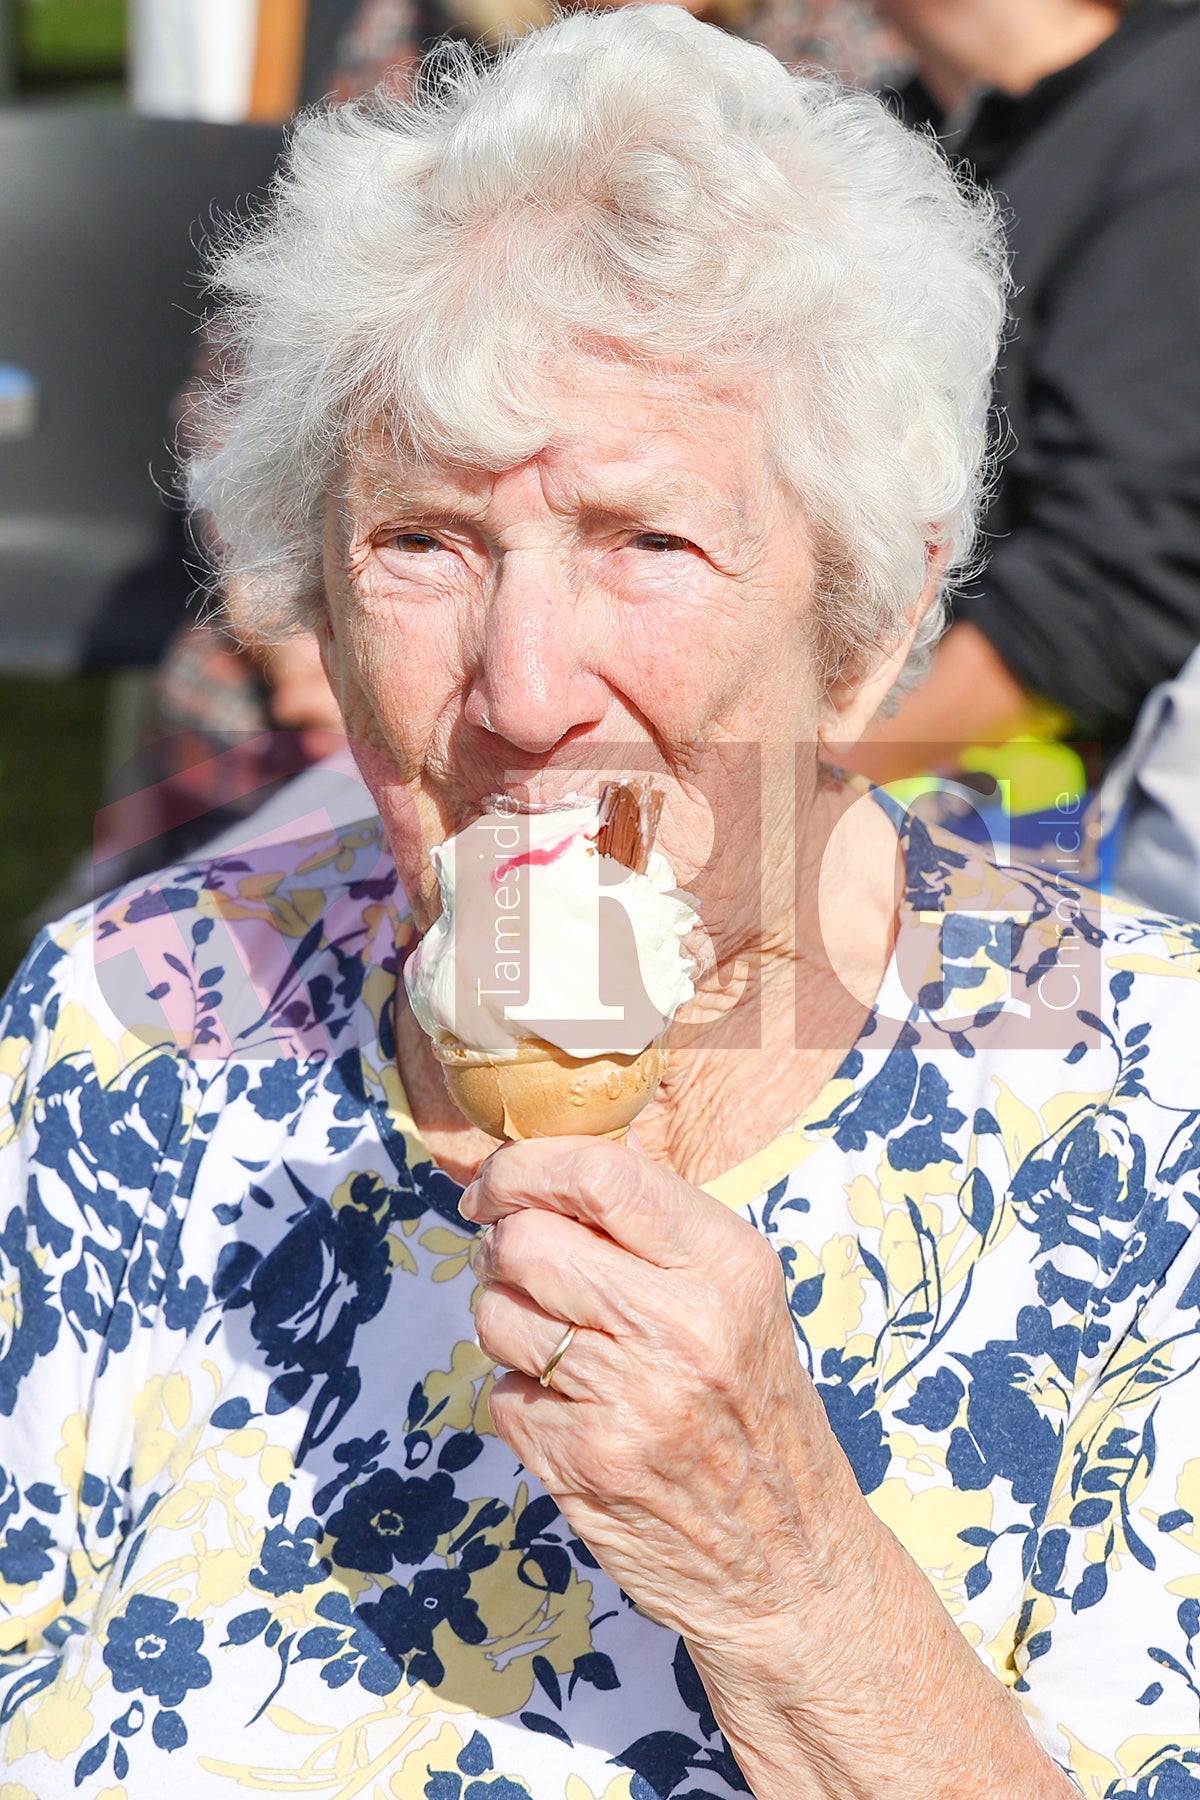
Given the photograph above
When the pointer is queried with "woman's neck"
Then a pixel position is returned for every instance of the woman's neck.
(1006, 44)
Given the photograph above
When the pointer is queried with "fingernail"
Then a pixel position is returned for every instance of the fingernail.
(466, 1201)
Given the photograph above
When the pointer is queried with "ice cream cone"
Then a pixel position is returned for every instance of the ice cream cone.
(543, 1092)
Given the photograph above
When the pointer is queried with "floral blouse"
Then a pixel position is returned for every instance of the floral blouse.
(256, 1532)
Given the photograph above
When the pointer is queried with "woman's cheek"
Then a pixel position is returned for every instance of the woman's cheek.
(674, 661)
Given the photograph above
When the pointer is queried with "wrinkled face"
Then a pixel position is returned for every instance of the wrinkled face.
(635, 598)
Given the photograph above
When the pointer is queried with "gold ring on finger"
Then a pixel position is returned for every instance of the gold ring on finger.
(560, 1350)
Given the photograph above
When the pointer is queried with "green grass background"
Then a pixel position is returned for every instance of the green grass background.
(64, 40)
(51, 777)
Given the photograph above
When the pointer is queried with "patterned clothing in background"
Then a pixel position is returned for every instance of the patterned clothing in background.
(383, 42)
(842, 35)
(386, 37)
(256, 1531)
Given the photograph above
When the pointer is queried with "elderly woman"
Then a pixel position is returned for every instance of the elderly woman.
(617, 408)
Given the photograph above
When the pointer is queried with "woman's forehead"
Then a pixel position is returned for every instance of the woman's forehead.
(618, 444)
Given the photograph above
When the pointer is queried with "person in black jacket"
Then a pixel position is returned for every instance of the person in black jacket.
(1084, 118)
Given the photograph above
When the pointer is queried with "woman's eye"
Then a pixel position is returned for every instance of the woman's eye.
(659, 540)
(418, 543)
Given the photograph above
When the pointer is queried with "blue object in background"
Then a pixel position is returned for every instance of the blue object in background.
(18, 402)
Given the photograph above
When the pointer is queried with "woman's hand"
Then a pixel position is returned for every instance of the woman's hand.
(686, 1445)
(680, 1435)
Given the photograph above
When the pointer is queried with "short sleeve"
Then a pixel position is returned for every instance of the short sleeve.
(1107, 1658)
(88, 1220)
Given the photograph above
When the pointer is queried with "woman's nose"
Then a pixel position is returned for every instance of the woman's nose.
(534, 683)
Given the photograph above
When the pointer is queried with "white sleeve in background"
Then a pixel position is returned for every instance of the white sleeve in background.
(192, 59)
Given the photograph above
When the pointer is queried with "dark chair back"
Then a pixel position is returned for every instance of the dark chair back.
(101, 218)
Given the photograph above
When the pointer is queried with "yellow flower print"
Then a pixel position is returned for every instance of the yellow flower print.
(496, 1676)
(928, 1522)
(865, 1203)
(452, 1248)
(1187, 1500)
(161, 1412)
(342, 1765)
(275, 1465)
(841, 1304)
(442, 1752)
(338, 851)
(936, 1181)
(578, 1789)
(71, 1457)
(464, 1388)
(221, 1576)
(1098, 1776)
(899, 1247)
(23, 1626)
(1181, 957)
(59, 1721)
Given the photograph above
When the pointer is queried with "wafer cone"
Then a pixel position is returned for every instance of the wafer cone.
(543, 1092)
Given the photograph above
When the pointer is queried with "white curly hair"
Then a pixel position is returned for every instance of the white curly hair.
(632, 184)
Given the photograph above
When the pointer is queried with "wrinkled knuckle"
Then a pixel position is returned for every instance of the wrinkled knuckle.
(608, 1464)
(697, 1362)
(760, 1268)
(485, 1319)
(583, 1161)
(725, 1365)
(609, 1170)
(691, 1353)
(502, 1409)
(497, 1262)
(522, 1237)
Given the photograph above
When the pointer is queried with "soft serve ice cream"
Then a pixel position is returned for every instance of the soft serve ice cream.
(543, 939)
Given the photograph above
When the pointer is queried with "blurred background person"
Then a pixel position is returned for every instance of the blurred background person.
(1083, 116)
(386, 39)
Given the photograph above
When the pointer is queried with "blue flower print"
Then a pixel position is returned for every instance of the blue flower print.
(33, 1330)
(152, 1651)
(401, 1623)
(313, 1291)
(24, 1557)
(390, 1519)
(285, 1562)
(474, 1759)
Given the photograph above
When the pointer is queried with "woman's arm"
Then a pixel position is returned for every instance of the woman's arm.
(865, 1688)
(689, 1449)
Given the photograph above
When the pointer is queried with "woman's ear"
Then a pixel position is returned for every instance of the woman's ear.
(855, 697)
(327, 646)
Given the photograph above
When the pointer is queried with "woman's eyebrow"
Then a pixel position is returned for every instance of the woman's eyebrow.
(449, 504)
(646, 499)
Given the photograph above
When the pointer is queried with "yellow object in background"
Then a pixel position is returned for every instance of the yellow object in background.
(278, 60)
(1033, 769)
(1031, 776)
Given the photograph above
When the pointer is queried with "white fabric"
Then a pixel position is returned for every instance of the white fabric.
(193, 59)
